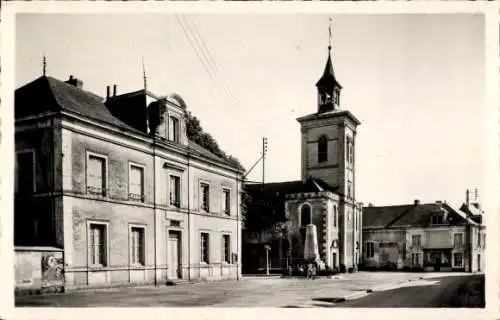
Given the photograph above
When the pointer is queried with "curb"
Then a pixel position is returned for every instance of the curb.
(364, 293)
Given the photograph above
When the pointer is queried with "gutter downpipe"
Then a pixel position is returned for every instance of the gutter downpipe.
(189, 217)
(154, 209)
(238, 211)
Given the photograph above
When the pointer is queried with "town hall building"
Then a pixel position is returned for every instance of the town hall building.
(324, 197)
(113, 192)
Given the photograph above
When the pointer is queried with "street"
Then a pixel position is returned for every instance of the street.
(448, 292)
(390, 289)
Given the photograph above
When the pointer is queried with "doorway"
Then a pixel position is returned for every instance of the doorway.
(173, 253)
(334, 260)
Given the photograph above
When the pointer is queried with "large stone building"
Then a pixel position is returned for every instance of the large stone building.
(431, 237)
(326, 194)
(113, 192)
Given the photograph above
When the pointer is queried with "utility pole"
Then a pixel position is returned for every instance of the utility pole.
(264, 150)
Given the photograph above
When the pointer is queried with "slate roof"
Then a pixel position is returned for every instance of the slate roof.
(411, 215)
(50, 94)
(281, 189)
(328, 79)
(58, 95)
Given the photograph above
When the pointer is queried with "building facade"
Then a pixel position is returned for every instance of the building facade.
(325, 196)
(428, 237)
(119, 189)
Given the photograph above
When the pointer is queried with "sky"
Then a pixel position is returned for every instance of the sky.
(415, 81)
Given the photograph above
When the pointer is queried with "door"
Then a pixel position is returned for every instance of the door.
(437, 262)
(334, 260)
(173, 255)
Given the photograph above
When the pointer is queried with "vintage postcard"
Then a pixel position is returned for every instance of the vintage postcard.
(326, 158)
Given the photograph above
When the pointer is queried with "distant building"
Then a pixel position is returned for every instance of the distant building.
(431, 237)
(113, 192)
(324, 197)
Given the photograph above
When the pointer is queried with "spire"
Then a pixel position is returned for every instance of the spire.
(44, 63)
(328, 79)
(144, 75)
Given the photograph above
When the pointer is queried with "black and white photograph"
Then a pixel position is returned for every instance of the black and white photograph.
(250, 159)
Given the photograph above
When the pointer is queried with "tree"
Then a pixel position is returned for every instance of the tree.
(196, 134)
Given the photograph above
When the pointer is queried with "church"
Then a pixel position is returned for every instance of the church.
(323, 201)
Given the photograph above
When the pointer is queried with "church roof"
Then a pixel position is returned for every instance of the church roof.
(411, 215)
(281, 189)
(328, 78)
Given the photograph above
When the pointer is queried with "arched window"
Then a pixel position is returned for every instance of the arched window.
(305, 215)
(322, 149)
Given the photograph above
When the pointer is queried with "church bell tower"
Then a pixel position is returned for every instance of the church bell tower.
(327, 154)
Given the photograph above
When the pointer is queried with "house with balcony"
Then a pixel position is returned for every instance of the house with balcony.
(113, 192)
(422, 236)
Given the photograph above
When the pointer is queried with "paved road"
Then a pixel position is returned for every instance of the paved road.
(255, 292)
(448, 292)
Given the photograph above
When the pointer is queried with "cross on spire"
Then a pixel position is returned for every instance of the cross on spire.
(330, 34)
(44, 63)
(144, 74)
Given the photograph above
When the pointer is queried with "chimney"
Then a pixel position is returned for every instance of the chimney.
(114, 90)
(108, 91)
(370, 204)
(439, 201)
(416, 202)
(467, 197)
(75, 82)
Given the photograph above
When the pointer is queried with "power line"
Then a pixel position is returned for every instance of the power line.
(212, 61)
(206, 59)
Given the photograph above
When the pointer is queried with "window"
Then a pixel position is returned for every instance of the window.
(415, 259)
(457, 259)
(204, 247)
(335, 216)
(336, 97)
(478, 239)
(137, 256)
(96, 174)
(416, 241)
(370, 249)
(351, 153)
(349, 189)
(437, 219)
(205, 197)
(173, 134)
(305, 215)
(457, 239)
(97, 244)
(175, 185)
(226, 201)
(226, 245)
(25, 172)
(136, 183)
(322, 149)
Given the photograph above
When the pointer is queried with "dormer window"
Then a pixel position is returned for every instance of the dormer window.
(437, 219)
(173, 132)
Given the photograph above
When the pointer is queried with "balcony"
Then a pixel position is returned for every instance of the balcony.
(136, 197)
(97, 191)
